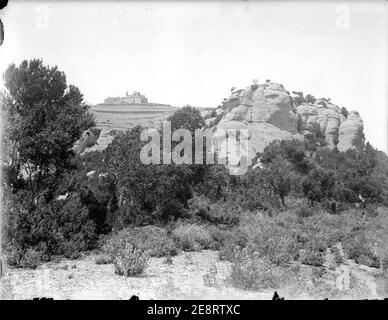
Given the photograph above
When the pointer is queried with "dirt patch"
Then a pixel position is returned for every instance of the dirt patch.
(84, 279)
(191, 275)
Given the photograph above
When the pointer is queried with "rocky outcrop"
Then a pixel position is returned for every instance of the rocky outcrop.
(265, 110)
(351, 132)
(87, 140)
(94, 140)
(269, 113)
(320, 122)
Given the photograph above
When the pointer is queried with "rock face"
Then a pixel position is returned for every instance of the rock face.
(94, 140)
(351, 133)
(87, 140)
(269, 113)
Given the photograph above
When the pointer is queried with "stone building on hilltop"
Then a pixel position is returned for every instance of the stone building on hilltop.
(134, 98)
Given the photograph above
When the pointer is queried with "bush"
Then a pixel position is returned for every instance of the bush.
(337, 255)
(304, 211)
(129, 260)
(384, 265)
(219, 212)
(153, 239)
(318, 184)
(29, 258)
(34, 233)
(32, 258)
(170, 210)
(236, 240)
(312, 258)
(210, 278)
(273, 238)
(253, 273)
(192, 237)
(103, 259)
(215, 183)
(219, 235)
(254, 192)
(156, 240)
(270, 239)
(360, 252)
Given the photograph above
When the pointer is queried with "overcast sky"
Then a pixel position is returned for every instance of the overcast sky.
(193, 53)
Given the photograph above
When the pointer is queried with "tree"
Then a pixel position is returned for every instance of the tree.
(318, 185)
(145, 190)
(186, 118)
(189, 118)
(253, 191)
(355, 172)
(291, 150)
(215, 182)
(45, 117)
(279, 174)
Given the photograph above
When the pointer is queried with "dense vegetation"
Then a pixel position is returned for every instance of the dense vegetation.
(300, 205)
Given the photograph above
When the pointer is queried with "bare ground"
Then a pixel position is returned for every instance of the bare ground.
(183, 279)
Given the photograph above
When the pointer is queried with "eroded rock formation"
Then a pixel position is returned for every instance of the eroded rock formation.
(87, 140)
(269, 113)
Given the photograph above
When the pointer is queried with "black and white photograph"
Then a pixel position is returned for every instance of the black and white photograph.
(194, 150)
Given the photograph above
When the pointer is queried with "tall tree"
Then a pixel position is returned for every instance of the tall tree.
(45, 117)
(279, 174)
(186, 118)
(144, 189)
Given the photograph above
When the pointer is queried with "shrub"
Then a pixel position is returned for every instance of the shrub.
(251, 272)
(215, 183)
(45, 230)
(273, 238)
(219, 236)
(237, 240)
(153, 239)
(318, 272)
(369, 260)
(220, 212)
(304, 211)
(156, 240)
(312, 258)
(361, 253)
(192, 237)
(318, 184)
(337, 255)
(316, 243)
(384, 265)
(129, 260)
(168, 260)
(103, 259)
(170, 210)
(29, 258)
(269, 238)
(254, 192)
(210, 278)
